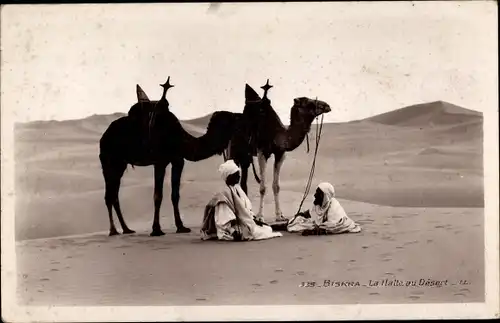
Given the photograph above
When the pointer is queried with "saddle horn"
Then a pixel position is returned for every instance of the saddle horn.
(165, 87)
(266, 87)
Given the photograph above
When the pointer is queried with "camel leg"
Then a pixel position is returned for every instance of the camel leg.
(125, 228)
(244, 177)
(177, 167)
(108, 198)
(158, 197)
(262, 190)
(279, 158)
(112, 177)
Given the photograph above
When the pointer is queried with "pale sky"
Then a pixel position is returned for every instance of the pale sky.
(71, 61)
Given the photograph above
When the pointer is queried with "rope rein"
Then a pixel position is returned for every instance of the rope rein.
(319, 128)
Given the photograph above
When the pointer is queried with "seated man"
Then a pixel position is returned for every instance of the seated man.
(229, 216)
(329, 216)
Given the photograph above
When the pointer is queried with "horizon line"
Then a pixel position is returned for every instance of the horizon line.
(209, 114)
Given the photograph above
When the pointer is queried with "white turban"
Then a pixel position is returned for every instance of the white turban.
(228, 168)
(327, 189)
(328, 195)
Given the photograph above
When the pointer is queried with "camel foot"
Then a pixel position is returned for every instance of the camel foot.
(183, 230)
(280, 218)
(128, 231)
(157, 233)
(113, 232)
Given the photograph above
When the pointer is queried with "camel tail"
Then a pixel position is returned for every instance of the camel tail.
(255, 173)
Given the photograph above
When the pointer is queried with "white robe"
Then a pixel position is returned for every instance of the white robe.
(333, 220)
(228, 205)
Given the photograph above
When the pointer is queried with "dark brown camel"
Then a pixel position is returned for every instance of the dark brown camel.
(266, 135)
(152, 135)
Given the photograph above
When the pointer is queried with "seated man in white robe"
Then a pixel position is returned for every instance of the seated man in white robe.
(229, 216)
(328, 217)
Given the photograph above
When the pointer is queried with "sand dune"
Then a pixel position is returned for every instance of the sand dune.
(428, 114)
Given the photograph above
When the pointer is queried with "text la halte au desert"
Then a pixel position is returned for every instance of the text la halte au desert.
(423, 282)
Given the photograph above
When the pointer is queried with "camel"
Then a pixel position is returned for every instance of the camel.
(265, 135)
(124, 143)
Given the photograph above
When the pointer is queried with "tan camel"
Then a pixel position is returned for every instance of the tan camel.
(271, 137)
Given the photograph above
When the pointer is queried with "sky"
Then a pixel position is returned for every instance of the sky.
(362, 58)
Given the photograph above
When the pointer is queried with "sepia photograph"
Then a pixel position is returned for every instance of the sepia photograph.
(249, 161)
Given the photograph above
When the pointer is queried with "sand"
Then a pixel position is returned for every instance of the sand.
(396, 243)
(415, 187)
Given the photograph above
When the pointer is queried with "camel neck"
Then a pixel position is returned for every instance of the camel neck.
(213, 142)
(197, 148)
(295, 133)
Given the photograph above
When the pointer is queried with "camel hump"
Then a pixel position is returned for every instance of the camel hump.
(141, 95)
(250, 94)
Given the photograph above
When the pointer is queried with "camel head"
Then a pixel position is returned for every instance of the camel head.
(309, 108)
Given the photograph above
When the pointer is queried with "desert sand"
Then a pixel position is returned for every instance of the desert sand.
(413, 178)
